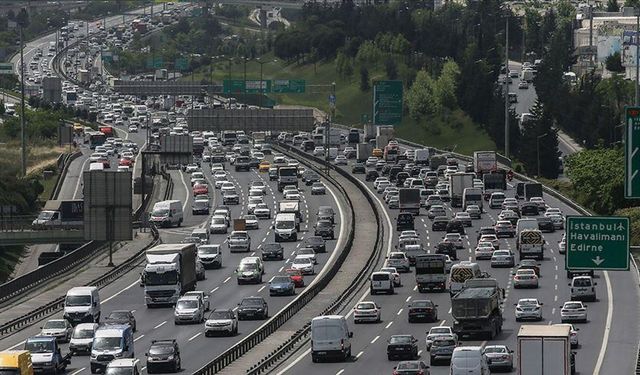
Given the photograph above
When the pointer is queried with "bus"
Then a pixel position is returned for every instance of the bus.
(462, 272)
(94, 139)
(391, 152)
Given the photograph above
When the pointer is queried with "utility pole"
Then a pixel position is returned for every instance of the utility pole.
(637, 98)
(23, 19)
(506, 91)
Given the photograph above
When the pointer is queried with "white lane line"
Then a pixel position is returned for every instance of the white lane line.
(194, 336)
(82, 369)
(261, 289)
(15, 346)
(340, 372)
(359, 355)
(214, 289)
(442, 322)
(186, 191)
(408, 299)
(227, 279)
(120, 291)
(399, 312)
(138, 338)
(160, 325)
(375, 339)
(253, 253)
(143, 368)
(553, 311)
(555, 298)
(280, 270)
(449, 310)
(607, 327)
(84, 164)
(235, 308)
(389, 325)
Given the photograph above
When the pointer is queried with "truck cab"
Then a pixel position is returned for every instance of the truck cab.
(46, 355)
(124, 366)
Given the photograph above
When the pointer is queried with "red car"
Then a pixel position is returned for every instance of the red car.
(127, 162)
(296, 277)
(200, 189)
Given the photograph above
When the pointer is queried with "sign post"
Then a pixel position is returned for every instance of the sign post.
(387, 102)
(597, 243)
(631, 154)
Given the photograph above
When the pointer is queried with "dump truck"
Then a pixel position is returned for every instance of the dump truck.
(457, 183)
(170, 272)
(476, 308)
(532, 190)
(484, 162)
(544, 350)
(46, 355)
(16, 362)
(65, 214)
(431, 272)
(409, 200)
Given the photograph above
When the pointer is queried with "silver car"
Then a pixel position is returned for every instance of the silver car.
(502, 258)
(189, 309)
(239, 241)
(61, 329)
(499, 357)
(528, 308)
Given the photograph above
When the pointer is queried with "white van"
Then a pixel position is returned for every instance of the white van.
(82, 305)
(526, 223)
(96, 166)
(583, 288)
(381, 282)
(469, 360)
(330, 338)
(462, 272)
(285, 228)
(82, 338)
(496, 199)
(167, 213)
(111, 341)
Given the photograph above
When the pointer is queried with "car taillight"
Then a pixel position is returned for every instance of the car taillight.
(516, 277)
(342, 343)
(395, 372)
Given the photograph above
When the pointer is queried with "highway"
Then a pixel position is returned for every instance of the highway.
(224, 292)
(615, 353)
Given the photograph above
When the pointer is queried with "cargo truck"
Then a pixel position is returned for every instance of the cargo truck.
(431, 272)
(64, 214)
(353, 137)
(476, 308)
(530, 244)
(421, 156)
(46, 356)
(363, 151)
(545, 350)
(290, 207)
(458, 182)
(334, 138)
(369, 132)
(16, 362)
(198, 145)
(484, 162)
(387, 131)
(382, 141)
(170, 272)
(287, 176)
(107, 131)
(532, 190)
(437, 160)
(409, 200)
(494, 182)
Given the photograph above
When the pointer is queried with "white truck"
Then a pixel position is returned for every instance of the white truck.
(64, 214)
(290, 207)
(457, 183)
(170, 272)
(363, 151)
(422, 156)
(530, 243)
(484, 162)
(544, 350)
(431, 272)
(369, 132)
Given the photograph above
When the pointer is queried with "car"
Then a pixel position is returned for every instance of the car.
(500, 357)
(398, 260)
(253, 308)
(411, 368)
(200, 189)
(474, 211)
(397, 281)
(435, 211)
(318, 151)
(484, 250)
(196, 175)
(573, 311)
(573, 332)
(525, 278)
(218, 224)
(358, 168)
(133, 129)
(557, 220)
(553, 211)
(509, 215)
(318, 188)
(324, 228)
(546, 225)
(221, 321)
(163, 355)
(310, 178)
(121, 317)
(528, 309)
(562, 245)
(402, 346)
(210, 256)
(531, 264)
(282, 285)
(504, 228)
(502, 258)
(262, 211)
(583, 288)
(366, 311)
(371, 175)
(394, 202)
(308, 253)
(264, 166)
(464, 217)
(542, 206)
(422, 309)
(341, 160)
(272, 250)
(189, 309)
(251, 221)
(491, 238)
(442, 348)
(304, 264)
(200, 207)
(317, 243)
(438, 331)
(296, 276)
(61, 329)
(455, 239)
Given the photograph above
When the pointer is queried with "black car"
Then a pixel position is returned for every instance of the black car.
(455, 226)
(273, 174)
(316, 243)
(200, 207)
(402, 346)
(447, 248)
(405, 221)
(385, 169)
(401, 178)
(121, 317)
(529, 209)
(545, 224)
(358, 168)
(439, 223)
(253, 308)
(163, 355)
(272, 250)
(326, 213)
(423, 310)
(324, 228)
(393, 172)
(311, 178)
(371, 175)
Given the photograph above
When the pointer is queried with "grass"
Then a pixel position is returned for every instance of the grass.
(40, 156)
(456, 131)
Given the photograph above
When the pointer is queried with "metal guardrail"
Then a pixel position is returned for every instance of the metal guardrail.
(257, 336)
(362, 276)
(68, 158)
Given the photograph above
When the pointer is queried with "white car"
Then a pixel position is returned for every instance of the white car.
(61, 329)
(484, 250)
(464, 217)
(292, 195)
(251, 221)
(380, 180)
(258, 185)
(539, 202)
(528, 308)
(557, 220)
(448, 263)
(474, 211)
(197, 176)
(408, 234)
(132, 129)
(202, 295)
(227, 186)
(366, 311)
(552, 211)
(371, 162)
(397, 281)
(252, 203)
(307, 252)
(573, 311)
(439, 331)
(455, 239)
(525, 278)
(491, 238)
(509, 201)
(574, 334)
(502, 258)
(399, 261)
(221, 321)
(262, 211)
(305, 265)
(381, 186)
(318, 151)
(341, 160)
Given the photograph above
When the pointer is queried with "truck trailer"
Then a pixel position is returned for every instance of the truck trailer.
(170, 272)
(457, 183)
(409, 200)
(363, 151)
(64, 214)
(545, 350)
(476, 308)
(484, 162)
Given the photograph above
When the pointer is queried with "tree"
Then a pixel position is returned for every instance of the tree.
(446, 85)
(391, 68)
(613, 63)
(364, 78)
(540, 132)
(420, 98)
(612, 6)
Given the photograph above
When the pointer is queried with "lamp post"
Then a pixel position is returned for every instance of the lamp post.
(23, 21)
(262, 88)
(538, 150)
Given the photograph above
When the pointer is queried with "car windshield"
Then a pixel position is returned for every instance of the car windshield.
(573, 306)
(400, 340)
(396, 256)
(160, 349)
(439, 331)
(315, 240)
(281, 280)
(221, 315)
(119, 315)
(119, 371)
(247, 267)
(251, 302)
(326, 332)
(528, 302)
(160, 212)
(107, 343)
(188, 304)
(301, 261)
(271, 247)
(421, 304)
(408, 366)
(78, 301)
(495, 349)
(39, 346)
(445, 342)
(83, 334)
(205, 250)
(306, 252)
(581, 282)
(285, 224)
(366, 306)
(53, 324)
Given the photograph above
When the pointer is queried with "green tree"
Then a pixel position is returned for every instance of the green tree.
(543, 145)
(612, 6)
(364, 78)
(420, 98)
(446, 85)
(391, 68)
(613, 63)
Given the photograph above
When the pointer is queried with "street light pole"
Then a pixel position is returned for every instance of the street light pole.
(23, 136)
(506, 91)
(637, 101)
(538, 151)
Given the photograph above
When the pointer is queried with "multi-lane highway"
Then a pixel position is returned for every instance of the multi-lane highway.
(604, 346)
(220, 283)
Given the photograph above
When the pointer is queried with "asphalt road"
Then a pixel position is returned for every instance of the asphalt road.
(613, 323)
(220, 283)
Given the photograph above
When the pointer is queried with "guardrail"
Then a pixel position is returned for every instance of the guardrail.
(68, 158)
(302, 333)
(257, 336)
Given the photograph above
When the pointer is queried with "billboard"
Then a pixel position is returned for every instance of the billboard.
(107, 205)
(52, 89)
(176, 149)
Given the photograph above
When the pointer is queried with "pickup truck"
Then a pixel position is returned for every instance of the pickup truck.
(46, 355)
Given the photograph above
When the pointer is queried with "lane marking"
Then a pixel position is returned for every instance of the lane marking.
(214, 289)
(399, 312)
(375, 339)
(121, 291)
(359, 355)
(340, 372)
(261, 289)
(607, 327)
(194, 336)
(389, 325)
(84, 164)
(160, 325)
(138, 338)
(227, 279)
(82, 369)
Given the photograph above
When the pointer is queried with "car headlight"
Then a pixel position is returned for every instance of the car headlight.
(170, 358)
(94, 356)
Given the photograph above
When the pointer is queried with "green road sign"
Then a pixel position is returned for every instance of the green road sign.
(631, 154)
(6, 68)
(181, 64)
(233, 86)
(257, 86)
(598, 243)
(154, 62)
(387, 102)
(283, 86)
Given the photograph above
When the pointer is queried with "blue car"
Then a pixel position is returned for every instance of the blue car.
(282, 285)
